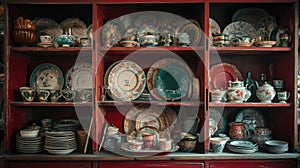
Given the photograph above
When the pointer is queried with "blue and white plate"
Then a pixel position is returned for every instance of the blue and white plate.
(47, 76)
(254, 113)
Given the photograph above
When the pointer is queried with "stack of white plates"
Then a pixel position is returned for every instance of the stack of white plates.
(60, 142)
(241, 146)
(66, 125)
(276, 146)
(29, 145)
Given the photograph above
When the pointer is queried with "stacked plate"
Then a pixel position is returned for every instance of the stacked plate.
(29, 145)
(241, 146)
(62, 142)
(66, 125)
(276, 146)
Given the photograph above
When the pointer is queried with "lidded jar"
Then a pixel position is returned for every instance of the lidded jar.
(265, 93)
(237, 92)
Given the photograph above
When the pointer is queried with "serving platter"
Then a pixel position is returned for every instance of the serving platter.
(126, 81)
(47, 76)
(222, 73)
(253, 113)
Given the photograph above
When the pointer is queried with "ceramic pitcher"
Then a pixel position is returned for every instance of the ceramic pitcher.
(236, 130)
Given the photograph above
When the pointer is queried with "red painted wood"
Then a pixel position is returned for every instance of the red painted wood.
(147, 164)
(49, 164)
(254, 164)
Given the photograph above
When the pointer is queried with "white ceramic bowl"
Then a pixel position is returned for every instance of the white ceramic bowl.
(29, 133)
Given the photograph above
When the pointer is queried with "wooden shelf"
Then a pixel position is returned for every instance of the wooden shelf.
(49, 104)
(250, 104)
(159, 103)
(249, 50)
(36, 51)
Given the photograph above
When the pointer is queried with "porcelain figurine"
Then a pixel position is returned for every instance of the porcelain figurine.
(265, 93)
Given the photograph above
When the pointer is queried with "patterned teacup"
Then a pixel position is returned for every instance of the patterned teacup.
(42, 95)
(68, 94)
(28, 94)
(55, 95)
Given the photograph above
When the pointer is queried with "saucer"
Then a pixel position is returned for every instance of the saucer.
(45, 45)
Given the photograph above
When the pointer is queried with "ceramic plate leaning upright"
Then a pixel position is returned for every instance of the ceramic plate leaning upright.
(250, 15)
(79, 76)
(213, 28)
(126, 81)
(47, 76)
(252, 112)
(239, 29)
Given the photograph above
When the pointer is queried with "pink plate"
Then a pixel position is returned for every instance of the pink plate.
(221, 74)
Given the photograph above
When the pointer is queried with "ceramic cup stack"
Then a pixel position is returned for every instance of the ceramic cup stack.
(60, 142)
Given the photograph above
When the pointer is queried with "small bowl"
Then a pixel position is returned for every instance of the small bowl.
(24, 24)
(128, 43)
(187, 145)
(24, 37)
(265, 43)
(29, 133)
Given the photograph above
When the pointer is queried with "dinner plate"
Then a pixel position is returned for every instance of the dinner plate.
(154, 71)
(47, 26)
(78, 27)
(79, 76)
(221, 74)
(111, 32)
(152, 119)
(47, 76)
(250, 15)
(213, 28)
(239, 29)
(163, 120)
(265, 26)
(218, 117)
(254, 113)
(172, 82)
(192, 29)
(126, 81)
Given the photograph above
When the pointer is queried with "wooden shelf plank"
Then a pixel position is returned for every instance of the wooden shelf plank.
(249, 50)
(162, 103)
(50, 51)
(47, 104)
(250, 104)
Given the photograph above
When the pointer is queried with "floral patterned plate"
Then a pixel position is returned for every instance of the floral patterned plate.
(77, 26)
(239, 29)
(250, 15)
(265, 26)
(213, 28)
(192, 29)
(218, 117)
(79, 76)
(47, 76)
(152, 119)
(252, 112)
(126, 81)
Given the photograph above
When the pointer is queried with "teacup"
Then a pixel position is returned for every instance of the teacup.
(218, 144)
(184, 39)
(46, 39)
(217, 95)
(148, 139)
(165, 144)
(85, 94)
(283, 96)
(68, 94)
(28, 94)
(278, 84)
(42, 95)
(55, 95)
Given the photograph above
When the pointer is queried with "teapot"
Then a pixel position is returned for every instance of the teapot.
(237, 92)
(265, 93)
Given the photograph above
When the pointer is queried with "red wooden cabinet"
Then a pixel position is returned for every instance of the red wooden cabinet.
(276, 62)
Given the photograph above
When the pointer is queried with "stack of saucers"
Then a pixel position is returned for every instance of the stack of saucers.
(29, 144)
(66, 125)
(60, 142)
(241, 146)
(276, 146)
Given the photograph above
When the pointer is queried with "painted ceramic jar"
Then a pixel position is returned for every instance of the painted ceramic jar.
(236, 130)
(265, 93)
(236, 92)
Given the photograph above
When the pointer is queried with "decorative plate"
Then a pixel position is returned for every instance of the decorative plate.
(47, 76)
(218, 117)
(79, 76)
(89, 31)
(250, 15)
(77, 26)
(192, 29)
(252, 112)
(276, 32)
(127, 20)
(145, 18)
(130, 120)
(49, 27)
(265, 26)
(240, 29)
(126, 81)
(108, 72)
(111, 32)
(151, 119)
(155, 69)
(172, 82)
(213, 28)
(221, 74)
